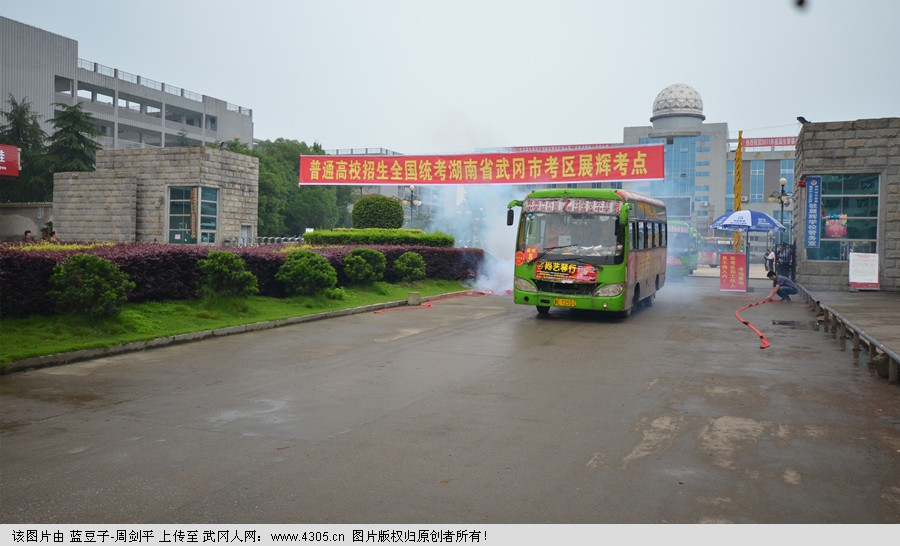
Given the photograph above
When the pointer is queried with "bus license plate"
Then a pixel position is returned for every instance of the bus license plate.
(564, 302)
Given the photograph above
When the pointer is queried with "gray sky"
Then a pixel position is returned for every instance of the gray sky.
(452, 76)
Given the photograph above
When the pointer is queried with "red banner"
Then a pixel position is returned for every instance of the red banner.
(767, 142)
(9, 160)
(624, 163)
(733, 272)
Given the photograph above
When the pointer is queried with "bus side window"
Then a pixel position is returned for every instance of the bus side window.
(646, 235)
(634, 237)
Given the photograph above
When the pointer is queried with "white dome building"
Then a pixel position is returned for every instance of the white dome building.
(677, 107)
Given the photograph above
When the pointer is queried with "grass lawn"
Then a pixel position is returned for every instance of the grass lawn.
(40, 335)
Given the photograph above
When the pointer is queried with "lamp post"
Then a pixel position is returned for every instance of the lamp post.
(411, 202)
(782, 197)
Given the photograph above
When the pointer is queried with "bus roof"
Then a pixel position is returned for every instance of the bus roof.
(596, 193)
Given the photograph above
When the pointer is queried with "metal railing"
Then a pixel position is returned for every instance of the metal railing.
(261, 241)
(152, 84)
(841, 329)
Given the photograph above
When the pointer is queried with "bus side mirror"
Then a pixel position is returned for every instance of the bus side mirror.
(509, 217)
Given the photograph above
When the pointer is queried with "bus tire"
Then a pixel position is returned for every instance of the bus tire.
(543, 309)
(648, 301)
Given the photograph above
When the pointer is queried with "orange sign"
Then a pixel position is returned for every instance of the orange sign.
(733, 272)
(624, 163)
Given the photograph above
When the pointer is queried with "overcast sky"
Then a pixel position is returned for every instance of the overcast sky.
(452, 76)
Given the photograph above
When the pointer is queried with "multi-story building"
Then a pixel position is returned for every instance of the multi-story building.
(132, 111)
(699, 164)
(187, 194)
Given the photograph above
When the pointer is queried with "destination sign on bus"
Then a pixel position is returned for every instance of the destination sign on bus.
(577, 206)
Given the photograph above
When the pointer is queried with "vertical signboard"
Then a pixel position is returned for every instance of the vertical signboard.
(813, 210)
(733, 273)
(195, 211)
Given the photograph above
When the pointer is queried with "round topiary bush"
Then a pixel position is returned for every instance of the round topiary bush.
(306, 273)
(410, 266)
(377, 211)
(89, 285)
(364, 266)
(224, 274)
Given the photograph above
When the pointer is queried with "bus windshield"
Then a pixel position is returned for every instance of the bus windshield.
(593, 238)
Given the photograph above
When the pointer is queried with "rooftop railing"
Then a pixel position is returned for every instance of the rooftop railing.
(153, 84)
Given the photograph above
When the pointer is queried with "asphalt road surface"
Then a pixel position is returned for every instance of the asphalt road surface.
(472, 410)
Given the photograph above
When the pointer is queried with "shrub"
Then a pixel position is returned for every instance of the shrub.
(409, 267)
(377, 211)
(224, 274)
(364, 266)
(306, 273)
(89, 285)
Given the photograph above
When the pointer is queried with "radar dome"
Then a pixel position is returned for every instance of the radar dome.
(678, 100)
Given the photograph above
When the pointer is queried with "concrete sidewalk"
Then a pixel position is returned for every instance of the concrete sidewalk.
(870, 318)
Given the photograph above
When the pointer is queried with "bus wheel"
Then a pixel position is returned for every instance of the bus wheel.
(543, 309)
(648, 301)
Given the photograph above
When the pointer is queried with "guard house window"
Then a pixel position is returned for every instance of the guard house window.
(209, 210)
(849, 217)
(193, 214)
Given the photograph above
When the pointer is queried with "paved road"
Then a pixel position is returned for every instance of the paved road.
(471, 411)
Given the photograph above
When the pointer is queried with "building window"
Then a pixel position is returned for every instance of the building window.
(787, 172)
(849, 216)
(757, 180)
(729, 187)
(193, 214)
(209, 214)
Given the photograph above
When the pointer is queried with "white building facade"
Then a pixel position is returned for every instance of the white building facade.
(133, 111)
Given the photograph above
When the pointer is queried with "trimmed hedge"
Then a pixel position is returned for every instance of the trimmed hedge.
(377, 211)
(344, 236)
(171, 272)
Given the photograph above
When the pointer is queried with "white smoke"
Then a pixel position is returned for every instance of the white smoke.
(475, 215)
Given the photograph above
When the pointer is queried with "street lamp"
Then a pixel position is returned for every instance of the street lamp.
(782, 197)
(411, 202)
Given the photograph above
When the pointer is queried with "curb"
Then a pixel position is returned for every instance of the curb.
(135, 346)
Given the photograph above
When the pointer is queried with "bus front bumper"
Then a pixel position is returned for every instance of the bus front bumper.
(549, 299)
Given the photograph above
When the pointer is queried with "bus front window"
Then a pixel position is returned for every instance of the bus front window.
(595, 237)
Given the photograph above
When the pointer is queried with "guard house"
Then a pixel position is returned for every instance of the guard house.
(196, 195)
(847, 200)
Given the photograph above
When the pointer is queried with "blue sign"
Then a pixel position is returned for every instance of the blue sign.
(813, 210)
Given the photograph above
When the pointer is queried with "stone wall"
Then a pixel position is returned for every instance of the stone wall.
(852, 147)
(94, 206)
(125, 198)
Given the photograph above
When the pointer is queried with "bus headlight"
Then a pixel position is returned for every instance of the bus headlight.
(524, 285)
(610, 290)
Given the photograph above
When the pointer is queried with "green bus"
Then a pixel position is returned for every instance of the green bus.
(599, 249)
(684, 248)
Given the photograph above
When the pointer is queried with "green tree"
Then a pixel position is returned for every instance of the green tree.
(72, 147)
(21, 128)
(286, 208)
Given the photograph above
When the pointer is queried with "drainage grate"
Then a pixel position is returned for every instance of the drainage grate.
(798, 324)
